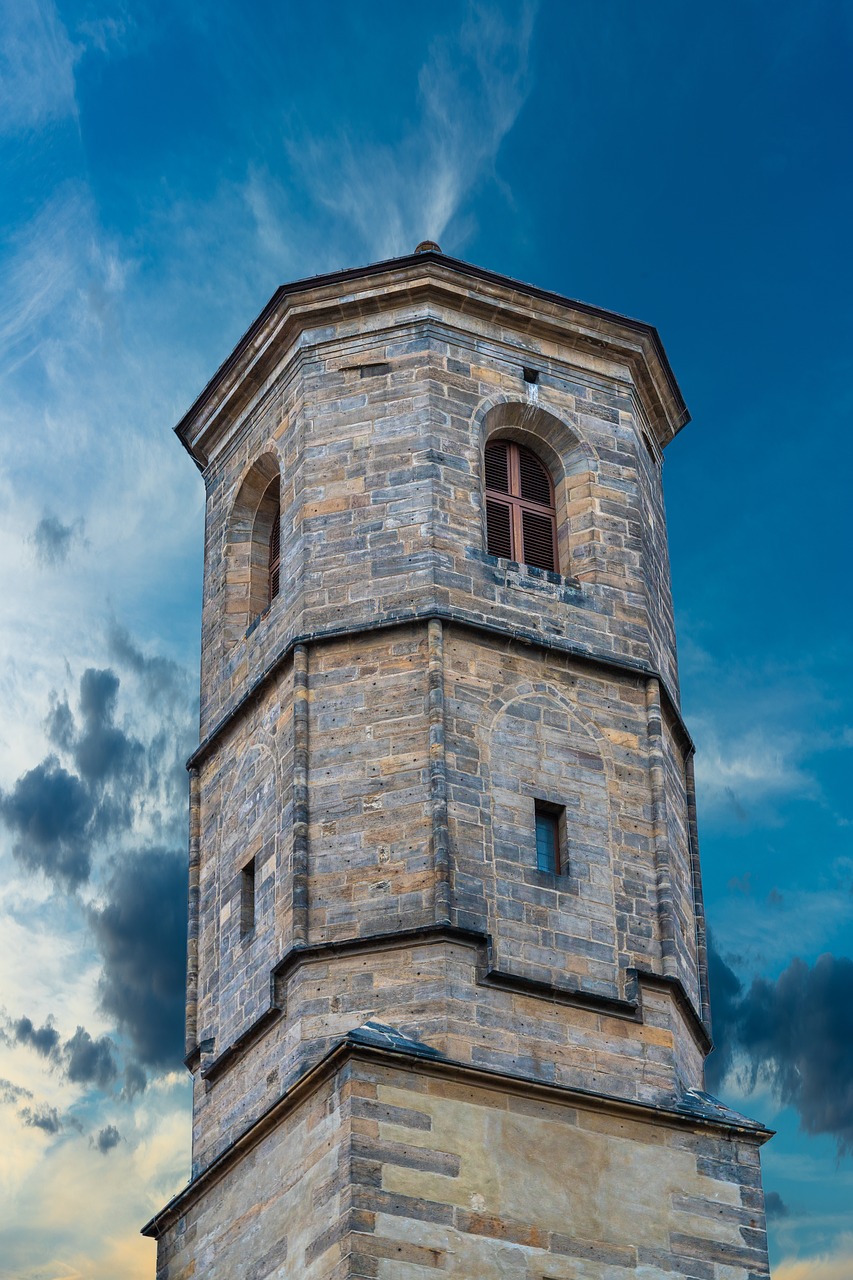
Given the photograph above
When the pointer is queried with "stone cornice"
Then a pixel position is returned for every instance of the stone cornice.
(336, 1060)
(561, 644)
(426, 283)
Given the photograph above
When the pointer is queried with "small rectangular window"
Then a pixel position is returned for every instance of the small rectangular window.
(549, 820)
(247, 898)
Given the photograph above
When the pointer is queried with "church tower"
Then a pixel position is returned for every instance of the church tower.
(447, 1005)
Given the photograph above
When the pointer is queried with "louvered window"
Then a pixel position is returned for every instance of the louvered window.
(520, 517)
(275, 557)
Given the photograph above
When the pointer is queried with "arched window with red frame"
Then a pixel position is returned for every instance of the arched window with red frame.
(521, 519)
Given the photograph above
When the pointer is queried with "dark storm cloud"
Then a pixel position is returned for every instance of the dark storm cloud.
(726, 990)
(774, 1205)
(81, 1058)
(102, 750)
(135, 1081)
(57, 815)
(108, 1138)
(43, 1039)
(141, 933)
(41, 1117)
(795, 1034)
(53, 540)
(169, 689)
(60, 726)
(13, 1093)
(49, 811)
(162, 678)
(798, 1032)
(89, 1061)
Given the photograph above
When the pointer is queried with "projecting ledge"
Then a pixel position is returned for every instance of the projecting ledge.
(379, 1043)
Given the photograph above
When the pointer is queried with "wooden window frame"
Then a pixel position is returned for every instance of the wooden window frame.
(516, 505)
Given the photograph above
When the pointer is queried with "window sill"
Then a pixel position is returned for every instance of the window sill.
(528, 571)
(256, 622)
(559, 881)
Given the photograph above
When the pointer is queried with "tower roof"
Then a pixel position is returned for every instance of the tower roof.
(429, 284)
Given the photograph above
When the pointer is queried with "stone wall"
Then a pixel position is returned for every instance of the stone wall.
(379, 448)
(387, 1171)
(435, 989)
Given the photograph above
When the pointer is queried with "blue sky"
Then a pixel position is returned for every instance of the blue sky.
(165, 168)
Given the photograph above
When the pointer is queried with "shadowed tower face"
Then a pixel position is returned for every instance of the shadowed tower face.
(447, 1000)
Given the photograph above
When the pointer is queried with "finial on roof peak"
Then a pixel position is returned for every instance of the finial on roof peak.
(428, 246)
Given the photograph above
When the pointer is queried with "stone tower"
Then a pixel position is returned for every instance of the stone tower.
(447, 1004)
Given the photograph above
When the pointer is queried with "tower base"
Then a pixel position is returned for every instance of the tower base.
(391, 1162)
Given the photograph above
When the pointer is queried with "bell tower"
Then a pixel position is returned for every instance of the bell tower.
(447, 1004)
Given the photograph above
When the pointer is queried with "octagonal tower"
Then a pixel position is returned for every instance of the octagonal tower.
(447, 998)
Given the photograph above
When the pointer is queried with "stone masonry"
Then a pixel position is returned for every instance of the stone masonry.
(413, 1051)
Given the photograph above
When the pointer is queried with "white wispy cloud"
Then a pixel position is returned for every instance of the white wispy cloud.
(412, 187)
(37, 61)
(750, 766)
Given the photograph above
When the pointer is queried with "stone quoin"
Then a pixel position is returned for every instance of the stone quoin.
(447, 1000)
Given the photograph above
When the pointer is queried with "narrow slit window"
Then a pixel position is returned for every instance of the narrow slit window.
(274, 558)
(521, 520)
(247, 898)
(548, 852)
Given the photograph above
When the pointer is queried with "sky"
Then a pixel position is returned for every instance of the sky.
(164, 169)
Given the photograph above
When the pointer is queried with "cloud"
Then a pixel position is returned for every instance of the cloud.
(748, 769)
(13, 1093)
(108, 1138)
(81, 1058)
(837, 1265)
(798, 1033)
(36, 66)
(472, 87)
(43, 1039)
(795, 1035)
(50, 811)
(726, 990)
(774, 1205)
(53, 540)
(135, 1081)
(141, 932)
(89, 1061)
(41, 1117)
(163, 680)
(58, 816)
(103, 751)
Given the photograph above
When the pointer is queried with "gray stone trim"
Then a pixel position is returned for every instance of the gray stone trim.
(451, 616)
(337, 1059)
(245, 370)
(630, 1009)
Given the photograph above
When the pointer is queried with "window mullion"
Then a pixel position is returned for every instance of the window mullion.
(517, 532)
(514, 471)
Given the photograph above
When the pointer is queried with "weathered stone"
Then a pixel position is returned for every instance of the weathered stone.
(375, 740)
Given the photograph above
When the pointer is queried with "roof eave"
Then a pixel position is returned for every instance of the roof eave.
(268, 326)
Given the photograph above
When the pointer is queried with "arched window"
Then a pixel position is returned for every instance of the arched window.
(521, 522)
(253, 548)
(274, 557)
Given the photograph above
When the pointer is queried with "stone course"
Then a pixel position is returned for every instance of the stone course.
(406, 1168)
